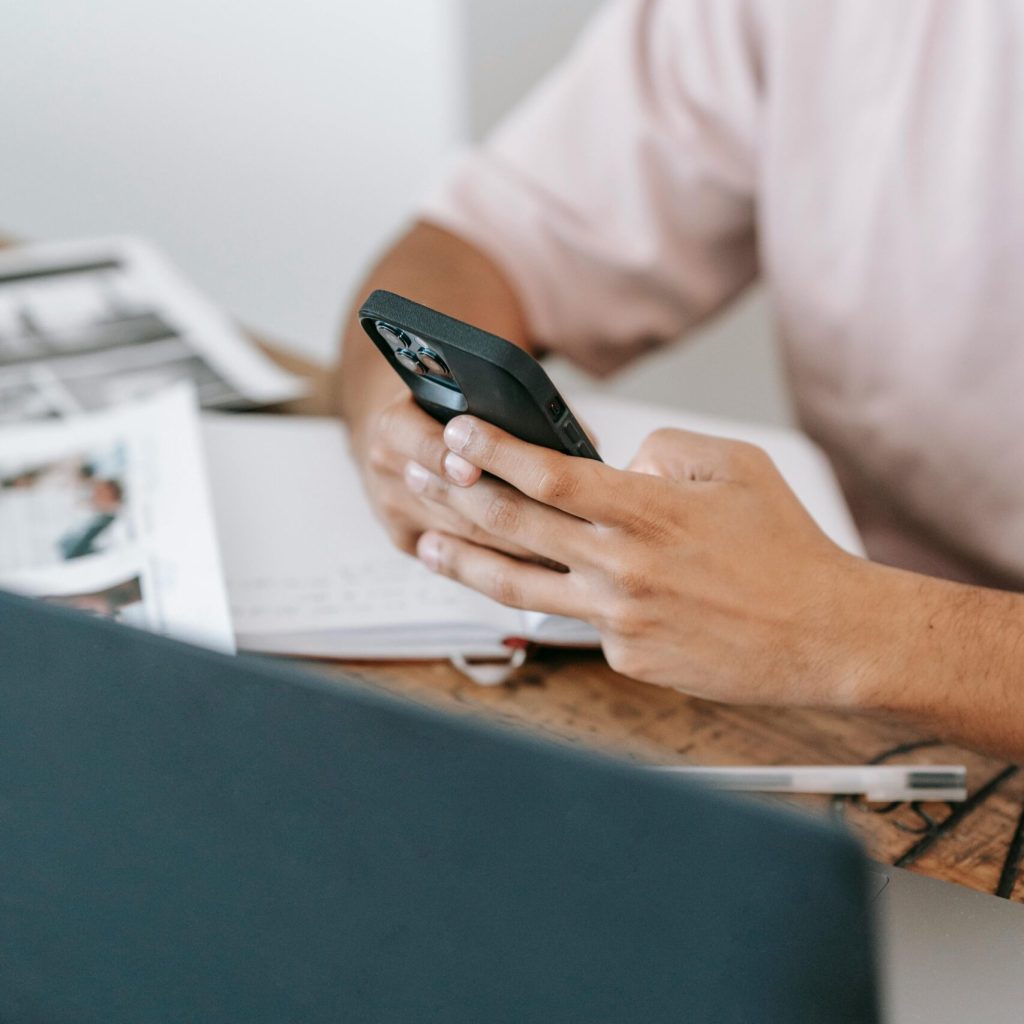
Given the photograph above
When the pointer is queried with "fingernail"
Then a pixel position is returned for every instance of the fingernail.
(456, 434)
(416, 477)
(428, 550)
(458, 469)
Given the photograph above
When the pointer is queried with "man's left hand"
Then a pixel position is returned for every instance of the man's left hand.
(698, 565)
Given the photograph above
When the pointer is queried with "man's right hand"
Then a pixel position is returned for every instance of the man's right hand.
(386, 444)
(388, 430)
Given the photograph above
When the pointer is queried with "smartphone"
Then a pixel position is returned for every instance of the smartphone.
(453, 368)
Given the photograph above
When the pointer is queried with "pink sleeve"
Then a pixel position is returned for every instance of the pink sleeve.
(618, 197)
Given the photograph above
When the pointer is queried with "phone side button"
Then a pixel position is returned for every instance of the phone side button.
(572, 432)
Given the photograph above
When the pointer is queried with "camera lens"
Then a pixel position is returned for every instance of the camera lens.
(392, 336)
(435, 365)
(409, 361)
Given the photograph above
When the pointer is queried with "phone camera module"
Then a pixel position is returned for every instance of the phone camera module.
(394, 338)
(415, 355)
(410, 362)
(435, 365)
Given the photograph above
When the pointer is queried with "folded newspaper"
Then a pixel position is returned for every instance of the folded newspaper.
(87, 324)
(110, 513)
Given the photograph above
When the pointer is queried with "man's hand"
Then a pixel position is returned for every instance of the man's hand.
(387, 428)
(698, 565)
(384, 446)
(702, 571)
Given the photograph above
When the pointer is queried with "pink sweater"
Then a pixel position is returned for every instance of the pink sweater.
(866, 160)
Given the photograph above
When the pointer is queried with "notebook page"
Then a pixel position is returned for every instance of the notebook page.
(302, 550)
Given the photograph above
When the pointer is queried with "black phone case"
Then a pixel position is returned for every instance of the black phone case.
(496, 380)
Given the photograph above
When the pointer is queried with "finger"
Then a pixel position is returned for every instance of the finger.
(683, 455)
(501, 511)
(404, 431)
(503, 579)
(409, 515)
(475, 535)
(582, 487)
(406, 516)
(402, 537)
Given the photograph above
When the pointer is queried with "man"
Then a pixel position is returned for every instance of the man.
(866, 161)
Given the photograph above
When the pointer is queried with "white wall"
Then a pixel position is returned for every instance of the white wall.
(509, 44)
(270, 147)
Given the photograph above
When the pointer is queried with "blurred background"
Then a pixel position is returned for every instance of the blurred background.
(273, 149)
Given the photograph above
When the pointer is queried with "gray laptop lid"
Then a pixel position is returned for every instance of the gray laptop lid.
(190, 837)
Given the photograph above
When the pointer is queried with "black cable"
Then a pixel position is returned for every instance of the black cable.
(959, 813)
(1011, 866)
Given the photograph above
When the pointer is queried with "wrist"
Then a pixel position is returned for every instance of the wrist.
(901, 658)
(946, 657)
(879, 616)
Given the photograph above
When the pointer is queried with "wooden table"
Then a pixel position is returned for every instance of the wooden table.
(576, 697)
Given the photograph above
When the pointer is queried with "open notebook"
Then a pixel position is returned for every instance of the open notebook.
(310, 571)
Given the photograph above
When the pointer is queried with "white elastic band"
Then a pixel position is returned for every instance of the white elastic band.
(489, 673)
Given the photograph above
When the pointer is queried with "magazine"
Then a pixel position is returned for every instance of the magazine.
(110, 513)
(89, 324)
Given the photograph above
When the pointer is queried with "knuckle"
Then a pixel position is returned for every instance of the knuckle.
(435, 489)
(631, 584)
(556, 484)
(403, 539)
(389, 511)
(662, 434)
(746, 457)
(430, 450)
(622, 658)
(663, 437)
(458, 525)
(627, 620)
(504, 589)
(388, 505)
(385, 425)
(663, 443)
(629, 580)
(502, 514)
(476, 534)
(379, 454)
(626, 608)
(645, 522)
(481, 444)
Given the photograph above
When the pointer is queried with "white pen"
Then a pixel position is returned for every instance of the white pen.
(876, 782)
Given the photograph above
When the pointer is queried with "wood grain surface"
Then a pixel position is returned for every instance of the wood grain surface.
(574, 697)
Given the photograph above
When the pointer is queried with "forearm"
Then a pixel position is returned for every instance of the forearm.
(948, 657)
(438, 269)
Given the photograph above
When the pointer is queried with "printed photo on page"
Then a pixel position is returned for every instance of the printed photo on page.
(85, 325)
(110, 513)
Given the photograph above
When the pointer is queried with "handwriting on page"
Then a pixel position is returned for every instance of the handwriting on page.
(373, 592)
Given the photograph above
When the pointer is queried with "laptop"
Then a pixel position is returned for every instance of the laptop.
(948, 955)
(188, 836)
